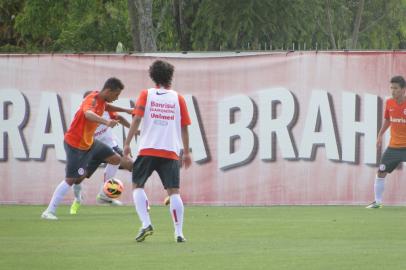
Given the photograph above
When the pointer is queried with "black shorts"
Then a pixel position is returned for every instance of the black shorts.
(167, 169)
(77, 161)
(95, 162)
(391, 158)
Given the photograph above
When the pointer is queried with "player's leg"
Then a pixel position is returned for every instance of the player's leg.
(59, 193)
(77, 201)
(176, 209)
(125, 162)
(167, 200)
(76, 162)
(143, 168)
(110, 171)
(77, 187)
(389, 161)
(91, 167)
(169, 171)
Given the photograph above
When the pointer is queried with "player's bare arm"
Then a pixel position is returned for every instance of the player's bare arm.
(133, 130)
(112, 108)
(92, 116)
(384, 127)
(186, 158)
(121, 119)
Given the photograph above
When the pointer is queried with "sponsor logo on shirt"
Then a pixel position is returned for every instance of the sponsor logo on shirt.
(100, 132)
(161, 93)
(397, 120)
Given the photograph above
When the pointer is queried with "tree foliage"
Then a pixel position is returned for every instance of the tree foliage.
(173, 25)
(9, 38)
(73, 25)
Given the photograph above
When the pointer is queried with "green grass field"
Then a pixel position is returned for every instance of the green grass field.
(282, 237)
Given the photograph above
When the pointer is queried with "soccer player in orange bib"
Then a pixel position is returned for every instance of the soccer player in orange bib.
(164, 129)
(395, 118)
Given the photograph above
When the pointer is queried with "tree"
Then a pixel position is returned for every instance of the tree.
(184, 13)
(142, 25)
(149, 25)
(96, 26)
(135, 30)
(40, 23)
(256, 24)
(357, 24)
(73, 26)
(355, 21)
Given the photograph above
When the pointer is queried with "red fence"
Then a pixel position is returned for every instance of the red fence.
(296, 128)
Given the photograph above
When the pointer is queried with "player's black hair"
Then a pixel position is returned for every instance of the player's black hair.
(113, 84)
(399, 80)
(161, 73)
(86, 93)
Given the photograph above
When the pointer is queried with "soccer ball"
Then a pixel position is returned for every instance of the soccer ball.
(113, 188)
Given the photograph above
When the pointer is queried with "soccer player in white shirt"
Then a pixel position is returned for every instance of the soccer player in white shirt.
(164, 129)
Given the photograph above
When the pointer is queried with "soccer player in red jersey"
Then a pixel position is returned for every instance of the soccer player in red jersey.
(395, 118)
(80, 146)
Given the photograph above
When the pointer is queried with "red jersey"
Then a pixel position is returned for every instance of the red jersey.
(396, 114)
(81, 131)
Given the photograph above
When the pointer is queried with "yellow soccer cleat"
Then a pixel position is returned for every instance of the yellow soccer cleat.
(74, 207)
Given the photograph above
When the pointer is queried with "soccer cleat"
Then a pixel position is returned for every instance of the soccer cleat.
(143, 233)
(115, 202)
(74, 207)
(103, 199)
(167, 200)
(180, 239)
(374, 205)
(48, 215)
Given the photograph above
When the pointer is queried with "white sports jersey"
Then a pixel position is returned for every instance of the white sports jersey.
(105, 134)
(161, 125)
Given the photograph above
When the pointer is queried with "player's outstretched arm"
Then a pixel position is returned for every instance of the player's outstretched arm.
(133, 129)
(123, 121)
(112, 108)
(92, 116)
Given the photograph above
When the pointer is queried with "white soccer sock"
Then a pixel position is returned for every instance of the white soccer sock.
(176, 208)
(110, 171)
(141, 206)
(77, 191)
(379, 187)
(58, 195)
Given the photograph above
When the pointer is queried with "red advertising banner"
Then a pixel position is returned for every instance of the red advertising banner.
(267, 129)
